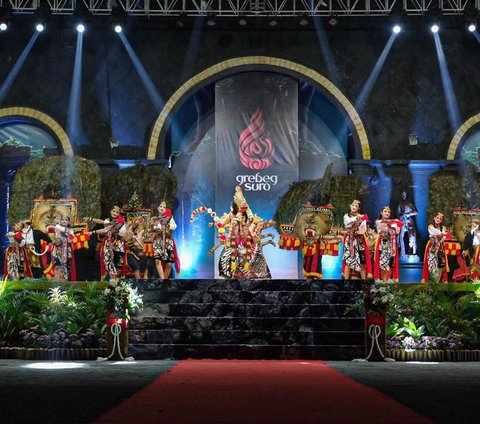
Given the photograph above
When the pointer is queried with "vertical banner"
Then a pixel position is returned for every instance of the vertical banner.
(256, 131)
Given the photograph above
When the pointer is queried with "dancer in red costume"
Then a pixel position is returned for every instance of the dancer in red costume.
(62, 256)
(111, 246)
(356, 256)
(386, 259)
(435, 263)
(16, 264)
(165, 250)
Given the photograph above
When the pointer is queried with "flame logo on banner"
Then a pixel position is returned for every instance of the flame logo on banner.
(256, 152)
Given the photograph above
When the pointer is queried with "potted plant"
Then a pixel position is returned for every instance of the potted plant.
(120, 299)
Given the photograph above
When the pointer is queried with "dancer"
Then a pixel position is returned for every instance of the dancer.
(240, 235)
(407, 211)
(435, 262)
(471, 249)
(16, 264)
(386, 250)
(356, 256)
(111, 247)
(165, 251)
(62, 256)
(33, 239)
(133, 234)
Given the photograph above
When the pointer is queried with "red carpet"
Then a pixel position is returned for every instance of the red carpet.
(264, 392)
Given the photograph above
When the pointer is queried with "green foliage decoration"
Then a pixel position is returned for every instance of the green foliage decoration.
(438, 311)
(65, 315)
(342, 189)
(449, 190)
(152, 184)
(56, 177)
(338, 190)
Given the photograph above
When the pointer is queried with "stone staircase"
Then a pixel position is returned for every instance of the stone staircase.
(248, 319)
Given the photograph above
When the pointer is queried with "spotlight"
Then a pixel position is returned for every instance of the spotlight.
(396, 29)
(242, 22)
(3, 26)
(40, 27)
(273, 23)
(303, 22)
(434, 28)
(472, 27)
(80, 27)
(118, 29)
(210, 23)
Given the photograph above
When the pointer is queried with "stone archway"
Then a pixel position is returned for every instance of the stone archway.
(262, 62)
(44, 119)
(460, 135)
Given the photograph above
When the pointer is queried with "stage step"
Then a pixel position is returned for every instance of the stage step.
(248, 319)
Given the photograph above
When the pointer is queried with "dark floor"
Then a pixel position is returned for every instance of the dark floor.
(78, 392)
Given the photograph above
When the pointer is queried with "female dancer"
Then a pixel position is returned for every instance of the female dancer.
(356, 256)
(435, 262)
(17, 264)
(111, 246)
(386, 248)
(63, 261)
(164, 248)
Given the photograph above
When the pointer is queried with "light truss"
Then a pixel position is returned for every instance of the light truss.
(453, 7)
(24, 6)
(59, 7)
(253, 8)
(99, 7)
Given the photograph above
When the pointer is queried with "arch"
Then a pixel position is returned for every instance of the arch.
(263, 61)
(43, 118)
(460, 134)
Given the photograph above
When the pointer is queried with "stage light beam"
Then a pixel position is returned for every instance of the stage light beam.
(80, 27)
(6, 85)
(472, 27)
(118, 29)
(372, 79)
(396, 29)
(40, 27)
(434, 28)
(3, 26)
(448, 90)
